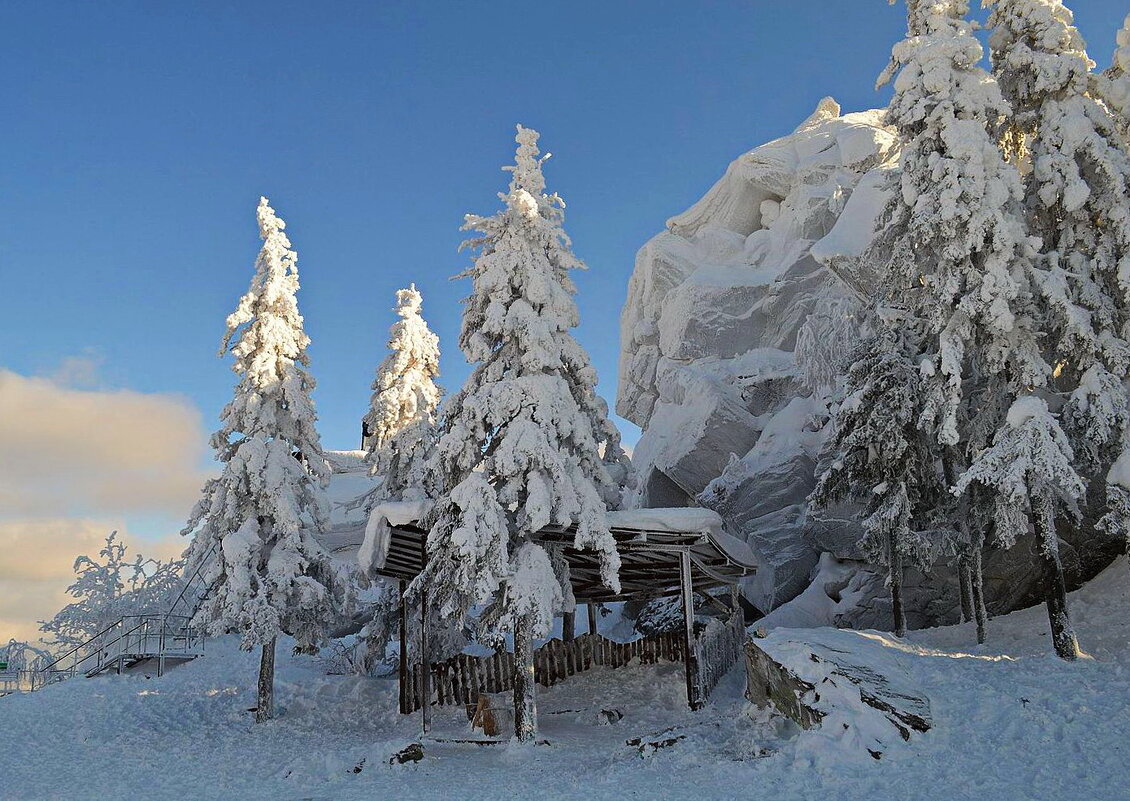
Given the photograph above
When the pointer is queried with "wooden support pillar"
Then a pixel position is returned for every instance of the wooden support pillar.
(425, 666)
(405, 704)
(568, 626)
(690, 652)
(592, 617)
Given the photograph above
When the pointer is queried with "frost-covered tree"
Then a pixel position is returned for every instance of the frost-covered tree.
(402, 415)
(956, 245)
(526, 442)
(260, 516)
(882, 460)
(109, 586)
(1030, 470)
(1078, 190)
(957, 242)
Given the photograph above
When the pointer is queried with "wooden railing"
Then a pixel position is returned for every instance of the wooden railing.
(460, 680)
(718, 648)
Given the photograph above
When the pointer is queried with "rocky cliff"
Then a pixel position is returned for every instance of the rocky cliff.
(738, 320)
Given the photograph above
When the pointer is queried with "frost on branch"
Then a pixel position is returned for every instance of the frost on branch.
(1029, 468)
(255, 526)
(526, 443)
(106, 589)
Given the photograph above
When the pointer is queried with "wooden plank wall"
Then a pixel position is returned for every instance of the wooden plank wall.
(459, 680)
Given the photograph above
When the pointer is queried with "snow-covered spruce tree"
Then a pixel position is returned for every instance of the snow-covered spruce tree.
(269, 574)
(1078, 189)
(956, 246)
(1030, 470)
(884, 461)
(402, 415)
(521, 447)
(109, 587)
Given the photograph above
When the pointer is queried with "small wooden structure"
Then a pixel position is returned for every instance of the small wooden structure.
(663, 552)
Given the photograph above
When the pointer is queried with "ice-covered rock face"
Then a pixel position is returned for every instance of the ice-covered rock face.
(710, 329)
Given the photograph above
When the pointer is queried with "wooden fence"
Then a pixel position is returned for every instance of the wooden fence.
(459, 680)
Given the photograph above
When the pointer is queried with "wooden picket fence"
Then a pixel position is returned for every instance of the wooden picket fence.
(459, 680)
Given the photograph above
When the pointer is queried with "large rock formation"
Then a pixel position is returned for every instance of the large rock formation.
(738, 318)
(709, 333)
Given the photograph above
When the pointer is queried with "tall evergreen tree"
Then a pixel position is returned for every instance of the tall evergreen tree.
(402, 414)
(956, 245)
(1077, 185)
(270, 574)
(883, 460)
(526, 442)
(1029, 468)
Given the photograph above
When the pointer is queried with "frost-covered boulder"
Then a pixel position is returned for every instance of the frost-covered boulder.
(710, 332)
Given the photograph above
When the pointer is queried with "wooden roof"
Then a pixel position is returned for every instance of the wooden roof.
(649, 558)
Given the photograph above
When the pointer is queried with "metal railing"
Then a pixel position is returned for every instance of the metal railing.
(130, 638)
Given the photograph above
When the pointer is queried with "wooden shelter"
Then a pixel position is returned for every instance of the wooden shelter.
(663, 552)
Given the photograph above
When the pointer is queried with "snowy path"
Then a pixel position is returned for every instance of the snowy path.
(1011, 722)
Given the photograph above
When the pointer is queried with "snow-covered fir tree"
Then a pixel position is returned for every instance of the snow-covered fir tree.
(882, 460)
(1030, 470)
(109, 586)
(526, 442)
(957, 243)
(402, 414)
(1078, 190)
(256, 522)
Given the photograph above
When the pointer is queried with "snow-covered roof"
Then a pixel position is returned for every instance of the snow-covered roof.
(649, 542)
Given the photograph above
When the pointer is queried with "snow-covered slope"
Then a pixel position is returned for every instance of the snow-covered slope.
(1010, 721)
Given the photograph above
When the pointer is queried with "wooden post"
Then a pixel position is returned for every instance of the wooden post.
(405, 705)
(425, 666)
(525, 702)
(690, 658)
(592, 617)
(568, 625)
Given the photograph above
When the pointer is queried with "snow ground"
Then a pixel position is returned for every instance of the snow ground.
(1010, 722)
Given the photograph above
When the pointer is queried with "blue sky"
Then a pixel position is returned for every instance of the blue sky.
(139, 136)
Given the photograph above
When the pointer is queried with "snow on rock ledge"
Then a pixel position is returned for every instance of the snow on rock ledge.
(710, 327)
(851, 687)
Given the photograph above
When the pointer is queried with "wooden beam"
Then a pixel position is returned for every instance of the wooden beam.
(425, 666)
(690, 660)
(405, 707)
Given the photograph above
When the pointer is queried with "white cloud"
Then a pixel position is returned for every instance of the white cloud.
(75, 463)
(80, 452)
(38, 561)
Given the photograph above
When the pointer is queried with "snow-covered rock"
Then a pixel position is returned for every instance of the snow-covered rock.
(710, 329)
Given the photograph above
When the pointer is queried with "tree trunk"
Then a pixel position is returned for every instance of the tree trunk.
(977, 587)
(1055, 593)
(525, 704)
(965, 587)
(266, 708)
(896, 593)
(568, 625)
(896, 590)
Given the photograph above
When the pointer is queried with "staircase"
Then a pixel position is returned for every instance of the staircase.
(167, 637)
